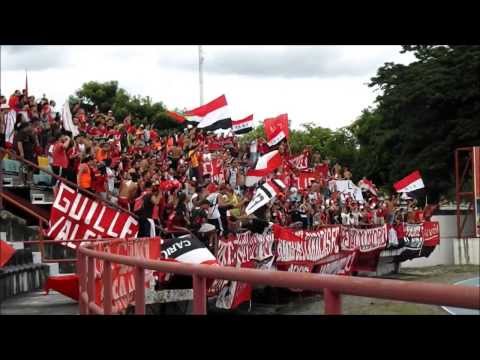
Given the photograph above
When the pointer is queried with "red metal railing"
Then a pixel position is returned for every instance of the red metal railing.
(41, 219)
(15, 156)
(333, 286)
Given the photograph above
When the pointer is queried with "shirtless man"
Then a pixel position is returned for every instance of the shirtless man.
(128, 190)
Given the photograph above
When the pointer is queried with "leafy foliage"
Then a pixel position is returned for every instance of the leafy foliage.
(108, 96)
(425, 111)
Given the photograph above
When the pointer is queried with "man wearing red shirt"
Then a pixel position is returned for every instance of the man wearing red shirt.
(153, 135)
(59, 155)
(99, 181)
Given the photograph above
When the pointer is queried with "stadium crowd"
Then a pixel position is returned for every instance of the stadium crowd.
(165, 177)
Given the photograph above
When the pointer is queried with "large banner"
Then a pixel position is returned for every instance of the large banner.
(430, 232)
(245, 247)
(368, 242)
(244, 250)
(123, 276)
(300, 251)
(365, 240)
(75, 216)
(333, 249)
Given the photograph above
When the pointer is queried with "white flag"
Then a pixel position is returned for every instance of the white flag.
(10, 120)
(68, 121)
(264, 194)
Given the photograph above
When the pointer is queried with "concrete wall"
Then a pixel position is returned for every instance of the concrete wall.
(448, 251)
(466, 251)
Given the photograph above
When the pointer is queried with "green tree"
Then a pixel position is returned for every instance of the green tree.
(108, 96)
(424, 111)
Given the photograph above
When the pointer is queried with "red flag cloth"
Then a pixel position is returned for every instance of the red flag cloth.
(176, 117)
(272, 126)
(243, 291)
(65, 284)
(305, 179)
(322, 170)
(6, 252)
(410, 182)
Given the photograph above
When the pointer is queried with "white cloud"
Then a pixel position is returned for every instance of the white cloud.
(321, 84)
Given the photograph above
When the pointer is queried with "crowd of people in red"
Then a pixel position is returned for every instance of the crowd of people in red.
(189, 179)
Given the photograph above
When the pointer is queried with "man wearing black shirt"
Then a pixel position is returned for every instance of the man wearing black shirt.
(26, 142)
(145, 211)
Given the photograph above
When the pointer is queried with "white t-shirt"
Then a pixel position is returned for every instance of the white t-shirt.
(213, 212)
(190, 205)
(110, 179)
(253, 146)
(233, 177)
(50, 154)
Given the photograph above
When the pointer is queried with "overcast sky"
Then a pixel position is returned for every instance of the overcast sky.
(321, 84)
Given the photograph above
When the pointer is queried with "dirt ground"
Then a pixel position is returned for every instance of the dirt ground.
(353, 305)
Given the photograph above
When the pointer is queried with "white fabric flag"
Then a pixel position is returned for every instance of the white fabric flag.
(10, 120)
(68, 121)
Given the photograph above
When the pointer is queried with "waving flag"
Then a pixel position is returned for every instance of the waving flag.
(187, 249)
(212, 116)
(266, 164)
(235, 292)
(276, 129)
(410, 183)
(242, 126)
(10, 120)
(264, 194)
(299, 162)
(67, 120)
(179, 119)
(368, 185)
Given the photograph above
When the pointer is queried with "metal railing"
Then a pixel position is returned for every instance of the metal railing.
(41, 220)
(62, 179)
(333, 286)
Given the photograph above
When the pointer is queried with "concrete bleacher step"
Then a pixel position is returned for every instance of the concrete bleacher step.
(54, 268)
(22, 274)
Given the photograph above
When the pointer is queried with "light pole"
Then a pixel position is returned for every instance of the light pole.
(200, 72)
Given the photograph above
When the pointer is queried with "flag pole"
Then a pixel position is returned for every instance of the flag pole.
(1, 70)
(26, 82)
(200, 72)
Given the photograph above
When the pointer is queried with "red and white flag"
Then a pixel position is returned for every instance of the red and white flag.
(410, 183)
(235, 292)
(242, 126)
(266, 164)
(211, 116)
(179, 119)
(276, 129)
(212, 167)
(368, 185)
(299, 162)
(305, 179)
(264, 194)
